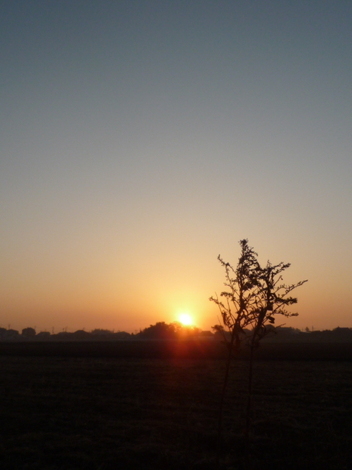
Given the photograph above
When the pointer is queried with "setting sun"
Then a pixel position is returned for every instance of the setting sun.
(185, 319)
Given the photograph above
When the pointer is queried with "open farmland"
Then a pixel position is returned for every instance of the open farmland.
(148, 413)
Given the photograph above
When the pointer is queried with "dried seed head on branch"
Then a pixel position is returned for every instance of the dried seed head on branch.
(254, 295)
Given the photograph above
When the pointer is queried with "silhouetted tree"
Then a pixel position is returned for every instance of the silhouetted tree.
(174, 330)
(10, 334)
(101, 332)
(28, 332)
(3, 332)
(254, 295)
(79, 335)
(160, 330)
(43, 335)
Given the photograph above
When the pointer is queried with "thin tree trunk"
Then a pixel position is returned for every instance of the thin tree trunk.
(222, 399)
(247, 449)
(249, 392)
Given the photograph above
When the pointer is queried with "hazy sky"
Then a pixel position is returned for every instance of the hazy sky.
(140, 139)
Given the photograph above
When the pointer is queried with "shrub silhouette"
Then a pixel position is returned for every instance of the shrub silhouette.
(254, 296)
(28, 332)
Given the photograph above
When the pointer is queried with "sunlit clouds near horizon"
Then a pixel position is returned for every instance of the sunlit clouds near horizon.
(140, 140)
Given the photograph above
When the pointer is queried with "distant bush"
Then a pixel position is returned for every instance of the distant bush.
(28, 332)
(160, 330)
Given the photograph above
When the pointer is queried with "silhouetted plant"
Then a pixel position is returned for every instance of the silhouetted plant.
(28, 332)
(254, 296)
(160, 330)
(174, 330)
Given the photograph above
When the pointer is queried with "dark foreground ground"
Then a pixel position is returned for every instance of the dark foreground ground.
(161, 413)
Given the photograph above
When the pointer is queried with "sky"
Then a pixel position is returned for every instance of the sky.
(141, 139)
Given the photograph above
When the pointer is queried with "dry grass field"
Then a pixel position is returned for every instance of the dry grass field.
(161, 413)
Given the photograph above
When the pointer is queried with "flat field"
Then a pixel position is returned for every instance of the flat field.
(161, 413)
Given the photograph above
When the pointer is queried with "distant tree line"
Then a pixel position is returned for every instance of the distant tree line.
(159, 331)
(174, 331)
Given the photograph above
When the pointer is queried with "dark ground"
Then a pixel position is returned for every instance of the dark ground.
(150, 413)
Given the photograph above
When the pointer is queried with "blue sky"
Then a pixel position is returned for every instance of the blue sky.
(140, 139)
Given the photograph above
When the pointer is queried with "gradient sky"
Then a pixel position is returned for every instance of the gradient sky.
(140, 139)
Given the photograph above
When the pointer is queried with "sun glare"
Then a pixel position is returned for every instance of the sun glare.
(185, 319)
